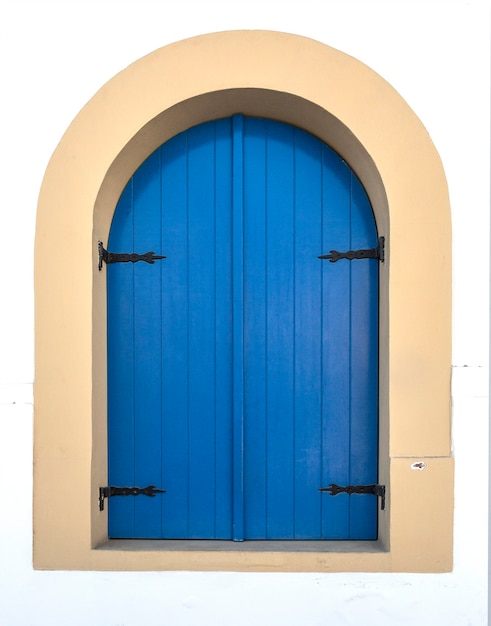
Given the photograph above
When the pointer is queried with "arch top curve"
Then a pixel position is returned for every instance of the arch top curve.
(280, 76)
(267, 74)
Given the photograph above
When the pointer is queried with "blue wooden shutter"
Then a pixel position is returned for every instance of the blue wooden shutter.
(242, 370)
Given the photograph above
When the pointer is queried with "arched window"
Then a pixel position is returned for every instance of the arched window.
(295, 81)
(243, 369)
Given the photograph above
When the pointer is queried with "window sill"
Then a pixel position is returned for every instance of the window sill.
(247, 556)
(194, 545)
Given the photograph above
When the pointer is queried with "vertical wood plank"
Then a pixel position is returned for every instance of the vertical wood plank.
(120, 356)
(280, 324)
(364, 367)
(238, 328)
(255, 330)
(175, 350)
(336, 363)
(202, 330)
(307, 348)
(223, 329)
(147, 350)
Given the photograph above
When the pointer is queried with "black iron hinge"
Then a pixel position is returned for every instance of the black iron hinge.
(108, 492)
(371, 253)
(376, 490)
(124, 257)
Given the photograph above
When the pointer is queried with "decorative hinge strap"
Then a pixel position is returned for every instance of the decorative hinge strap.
(376, 490)
(108, 492)
(372, 253)
(124, 257)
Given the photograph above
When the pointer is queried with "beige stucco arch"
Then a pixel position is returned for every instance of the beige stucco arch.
(350, 107)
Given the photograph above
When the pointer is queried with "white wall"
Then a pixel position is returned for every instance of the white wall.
(54, 56)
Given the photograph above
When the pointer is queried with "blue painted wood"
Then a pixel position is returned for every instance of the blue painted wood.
(364, 368)
(223, 333)
(255, 330)
(243, 370)
(197, 328)
(238, 326)
(280, 324)
(147, 345)
(336, 356)
(121, 394)
(201, 330)
(307, 337)
(175, 320)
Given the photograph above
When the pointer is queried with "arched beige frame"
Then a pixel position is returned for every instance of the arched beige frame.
(337, 98)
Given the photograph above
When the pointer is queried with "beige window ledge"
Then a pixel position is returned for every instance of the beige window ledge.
(192, 545)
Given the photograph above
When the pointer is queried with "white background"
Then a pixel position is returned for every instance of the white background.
(53, 57)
